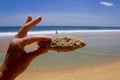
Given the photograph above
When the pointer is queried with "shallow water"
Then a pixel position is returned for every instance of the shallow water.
(99, 50)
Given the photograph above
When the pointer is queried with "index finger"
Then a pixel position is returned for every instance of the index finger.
(27, 26)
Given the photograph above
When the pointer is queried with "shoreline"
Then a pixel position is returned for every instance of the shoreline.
(83, 33)
(92, 42)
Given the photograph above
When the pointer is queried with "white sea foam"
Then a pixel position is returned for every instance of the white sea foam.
(84, 33)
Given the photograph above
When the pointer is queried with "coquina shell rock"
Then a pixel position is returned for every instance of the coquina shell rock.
(63, 44)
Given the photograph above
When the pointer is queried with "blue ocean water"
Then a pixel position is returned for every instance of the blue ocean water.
(49, 28)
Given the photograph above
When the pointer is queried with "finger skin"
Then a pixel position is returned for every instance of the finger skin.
(17, 59)
(28, 40)
(27, 26)
(28, 19)
(35, 53)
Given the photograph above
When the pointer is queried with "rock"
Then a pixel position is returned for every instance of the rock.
(63, 44)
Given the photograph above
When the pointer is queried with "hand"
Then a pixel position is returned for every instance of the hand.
(17, 59)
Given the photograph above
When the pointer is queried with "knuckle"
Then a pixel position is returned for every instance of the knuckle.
(15, 42)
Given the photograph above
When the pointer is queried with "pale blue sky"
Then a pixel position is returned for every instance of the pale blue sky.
(61, 12)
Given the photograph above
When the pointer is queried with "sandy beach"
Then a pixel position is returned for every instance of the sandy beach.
(99, 60)
(99, 66)
(83, 44)
(102, 72)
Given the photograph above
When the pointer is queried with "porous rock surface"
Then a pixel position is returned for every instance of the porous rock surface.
(63, 44)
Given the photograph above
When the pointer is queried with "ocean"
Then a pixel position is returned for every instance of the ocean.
(103, 45)
(83, 30)
(51, 28)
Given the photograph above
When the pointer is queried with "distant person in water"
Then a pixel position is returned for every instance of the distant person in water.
(56, 32)
(17, 59)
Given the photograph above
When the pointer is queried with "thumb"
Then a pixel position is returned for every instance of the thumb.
(37, 52)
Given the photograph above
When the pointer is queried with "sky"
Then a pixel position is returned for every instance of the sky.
(61, 12)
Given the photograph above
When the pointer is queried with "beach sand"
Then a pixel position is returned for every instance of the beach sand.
(109, 71)
(99, 66)
(101, 56)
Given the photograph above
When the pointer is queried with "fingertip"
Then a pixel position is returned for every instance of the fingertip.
(46, 39)
(39, 18)
(29, 16)
(36, 21)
